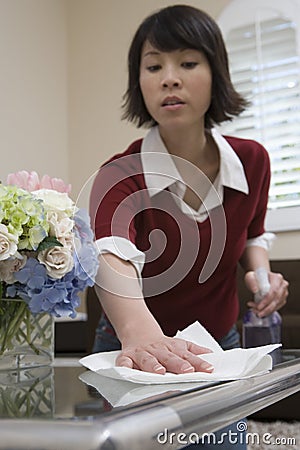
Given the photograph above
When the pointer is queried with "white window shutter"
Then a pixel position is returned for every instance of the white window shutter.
(265, 68)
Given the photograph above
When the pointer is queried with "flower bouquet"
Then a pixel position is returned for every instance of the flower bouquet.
(47, 255)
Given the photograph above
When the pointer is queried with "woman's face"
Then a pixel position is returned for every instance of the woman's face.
(176, 86)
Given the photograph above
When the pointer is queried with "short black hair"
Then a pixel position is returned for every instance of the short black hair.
(183, 27)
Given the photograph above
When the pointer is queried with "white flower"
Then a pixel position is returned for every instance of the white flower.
(67, 241)
(59, 227)
(8, 243)
(57, 260)
(10, 266)
(56, 201)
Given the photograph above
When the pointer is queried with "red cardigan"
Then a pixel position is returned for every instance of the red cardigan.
(175, 245)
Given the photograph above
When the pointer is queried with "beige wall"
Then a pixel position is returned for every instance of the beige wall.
(33, 78)
(63, 73)
(100, 32)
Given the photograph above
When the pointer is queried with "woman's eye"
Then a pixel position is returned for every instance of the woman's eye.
(189, 64)
(153, 68)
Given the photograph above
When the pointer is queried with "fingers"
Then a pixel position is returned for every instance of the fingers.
(197, 349)
(140, 359)
(276, 297)
(172, 355)
(188, 351)
(124, 361)
(178, 359)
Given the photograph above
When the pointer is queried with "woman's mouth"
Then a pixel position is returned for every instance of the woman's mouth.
(172, 103)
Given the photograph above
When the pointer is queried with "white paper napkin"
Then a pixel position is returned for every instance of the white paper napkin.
(228, 365)
(122, 393)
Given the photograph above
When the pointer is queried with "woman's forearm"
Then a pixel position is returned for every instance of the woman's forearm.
(144, 345)
(121, 297)
(255, 257)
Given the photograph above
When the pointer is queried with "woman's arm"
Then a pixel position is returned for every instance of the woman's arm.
(144, 345)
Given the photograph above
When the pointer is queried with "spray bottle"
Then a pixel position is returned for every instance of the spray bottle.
(259, 331)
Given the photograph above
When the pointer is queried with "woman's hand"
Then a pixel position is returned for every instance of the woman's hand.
(165, 355)
(276, 297)
(144, 345)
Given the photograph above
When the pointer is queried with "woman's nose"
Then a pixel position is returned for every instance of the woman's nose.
(170, 78)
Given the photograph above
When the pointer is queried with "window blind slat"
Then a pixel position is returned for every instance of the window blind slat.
(265, 67)
(271, 26)
(285, 189)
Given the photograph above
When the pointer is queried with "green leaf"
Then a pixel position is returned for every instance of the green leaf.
(49, 242)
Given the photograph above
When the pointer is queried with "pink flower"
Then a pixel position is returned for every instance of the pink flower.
(56, 184)
(24, 180)
(30, 182)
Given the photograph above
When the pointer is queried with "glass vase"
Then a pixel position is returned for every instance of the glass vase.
(27, 393)
(26, 339)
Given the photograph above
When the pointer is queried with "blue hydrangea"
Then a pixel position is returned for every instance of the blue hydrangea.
(59, 297)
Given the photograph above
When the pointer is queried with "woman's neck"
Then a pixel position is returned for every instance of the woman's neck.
(202, 154)
(194, 145)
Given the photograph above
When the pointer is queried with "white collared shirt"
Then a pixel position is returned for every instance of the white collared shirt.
(160, 172)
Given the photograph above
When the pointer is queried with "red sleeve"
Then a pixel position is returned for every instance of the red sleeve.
(260, 183)
(115, 198)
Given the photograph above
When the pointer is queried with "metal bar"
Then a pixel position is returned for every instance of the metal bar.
(197, 411)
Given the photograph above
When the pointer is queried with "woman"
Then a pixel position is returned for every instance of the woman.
(179, 210)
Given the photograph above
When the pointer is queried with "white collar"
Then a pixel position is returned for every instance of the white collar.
(232, 172)
(160, 171)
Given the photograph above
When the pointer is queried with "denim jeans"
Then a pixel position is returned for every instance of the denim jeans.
(106, 340)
